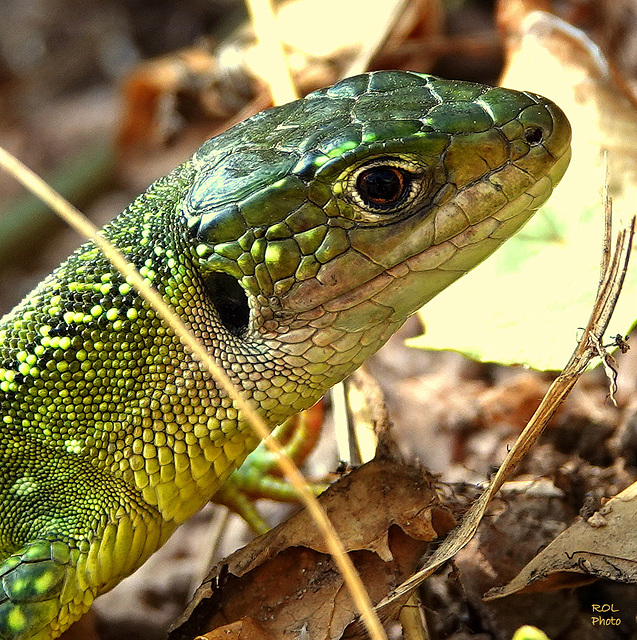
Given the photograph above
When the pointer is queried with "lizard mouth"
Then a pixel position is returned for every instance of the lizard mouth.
(462, 250)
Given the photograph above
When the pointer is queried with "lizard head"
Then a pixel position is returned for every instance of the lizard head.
(334, 218)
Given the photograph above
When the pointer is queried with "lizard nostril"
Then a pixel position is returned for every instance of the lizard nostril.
(533, 135)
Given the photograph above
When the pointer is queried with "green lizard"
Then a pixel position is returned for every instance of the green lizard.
(293, 245)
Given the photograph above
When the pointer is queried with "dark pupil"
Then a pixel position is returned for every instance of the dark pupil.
(381, 185)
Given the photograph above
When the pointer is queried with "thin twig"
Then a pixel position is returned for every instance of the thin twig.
(375, 39)
(265, 27)
(608, 226)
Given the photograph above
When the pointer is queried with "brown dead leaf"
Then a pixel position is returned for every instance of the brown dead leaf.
(513, 401)
(384, 512)
(518, 524)
(603, 546)
(246, 629)
(151, 91)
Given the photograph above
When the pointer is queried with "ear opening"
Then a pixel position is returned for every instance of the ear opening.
(230, 301)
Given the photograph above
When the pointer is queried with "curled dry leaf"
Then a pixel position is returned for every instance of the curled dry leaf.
(603, 546)
(285, 582)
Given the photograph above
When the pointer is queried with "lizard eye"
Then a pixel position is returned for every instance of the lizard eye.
(382, 186)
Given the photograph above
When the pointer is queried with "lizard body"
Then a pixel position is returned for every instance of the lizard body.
(293, 245)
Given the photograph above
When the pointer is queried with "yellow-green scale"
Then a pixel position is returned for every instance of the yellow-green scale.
(108, 387)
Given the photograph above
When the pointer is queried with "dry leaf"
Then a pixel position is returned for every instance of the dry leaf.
(604, 546)
(384, 512)
(246, 629)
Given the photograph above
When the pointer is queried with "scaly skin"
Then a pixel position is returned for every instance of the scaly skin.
(293, 245)
(260, 475)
